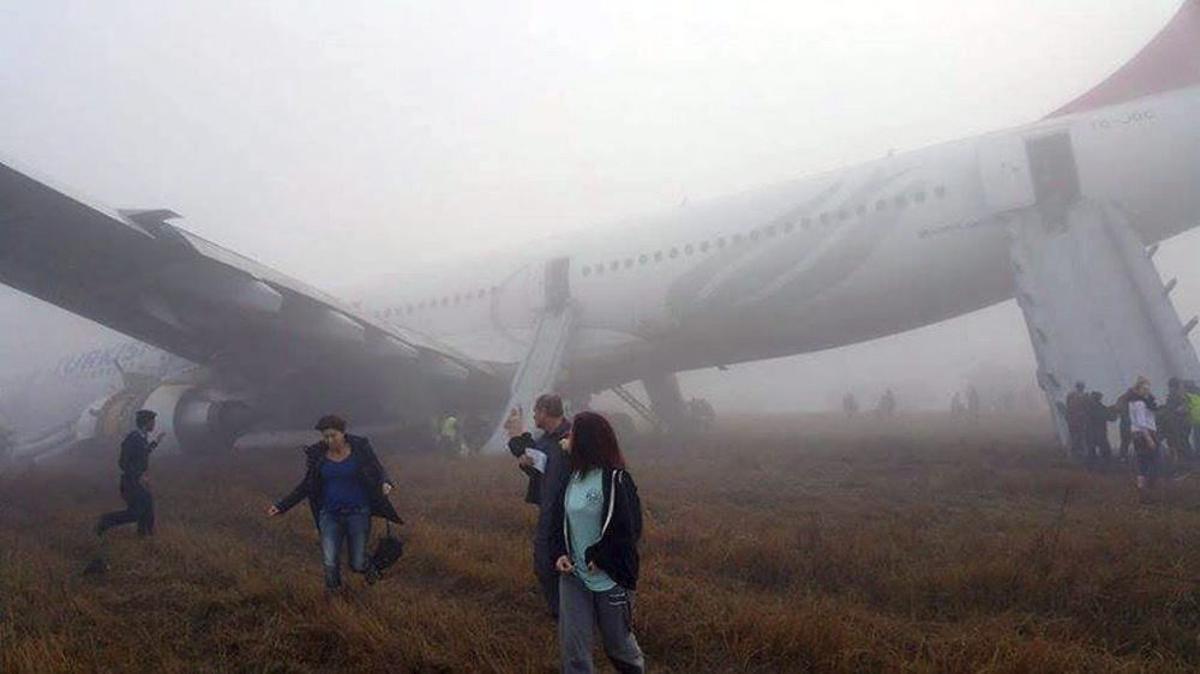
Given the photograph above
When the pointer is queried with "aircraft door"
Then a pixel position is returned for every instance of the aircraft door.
(1005, 174)
(1053, 173)
(558, 284)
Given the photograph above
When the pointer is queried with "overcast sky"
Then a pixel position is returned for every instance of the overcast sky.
(394, 134)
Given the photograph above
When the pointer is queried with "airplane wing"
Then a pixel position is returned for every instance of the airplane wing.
(136, 273)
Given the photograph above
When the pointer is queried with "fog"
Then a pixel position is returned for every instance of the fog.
(339, 142)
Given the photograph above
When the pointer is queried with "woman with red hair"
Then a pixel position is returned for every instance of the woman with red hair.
(595, 531)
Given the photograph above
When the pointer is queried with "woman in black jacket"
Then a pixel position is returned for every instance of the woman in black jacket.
(595, 529)
(345, 486)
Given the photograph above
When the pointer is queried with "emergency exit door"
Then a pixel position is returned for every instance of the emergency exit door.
(1053, 173)
(558, 284)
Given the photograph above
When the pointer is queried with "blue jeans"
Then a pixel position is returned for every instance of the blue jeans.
(352, 525)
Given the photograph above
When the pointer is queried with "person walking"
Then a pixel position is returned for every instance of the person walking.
(1099, 416)
(134, 462)
(543, 461)
(1178, 420)
(1142, 407)
(345, 485)
(597, 525)
(1077, 419)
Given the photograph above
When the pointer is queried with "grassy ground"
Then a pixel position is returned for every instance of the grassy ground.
(773, 545)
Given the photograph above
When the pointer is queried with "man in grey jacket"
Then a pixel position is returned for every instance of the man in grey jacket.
(543, 460)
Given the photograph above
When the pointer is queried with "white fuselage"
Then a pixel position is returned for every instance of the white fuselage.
(851, 255)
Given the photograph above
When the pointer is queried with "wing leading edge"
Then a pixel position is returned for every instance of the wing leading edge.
(135, 272)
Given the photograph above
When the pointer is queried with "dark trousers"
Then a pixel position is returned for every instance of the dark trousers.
(1079, 442)
(1099, 447)
(1180, 437)
(547, 576)
(140, 508)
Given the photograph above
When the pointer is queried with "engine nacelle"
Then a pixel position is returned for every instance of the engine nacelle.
(192, 419)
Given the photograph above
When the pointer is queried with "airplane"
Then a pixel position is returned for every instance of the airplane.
(866, 251)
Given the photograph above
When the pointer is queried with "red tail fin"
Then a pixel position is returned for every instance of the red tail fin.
(1170, 61)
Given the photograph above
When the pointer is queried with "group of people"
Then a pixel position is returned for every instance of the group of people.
(886, 407)
(1148, 427)
(585, 544)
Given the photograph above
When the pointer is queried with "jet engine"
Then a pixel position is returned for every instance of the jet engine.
(192, 419)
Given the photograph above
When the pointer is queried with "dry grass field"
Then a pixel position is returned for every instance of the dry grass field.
(773, 545)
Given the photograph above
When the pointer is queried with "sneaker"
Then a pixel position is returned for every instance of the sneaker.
(371, 574)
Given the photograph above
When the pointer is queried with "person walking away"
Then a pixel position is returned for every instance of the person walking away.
(597, 525)
(345, 485)
(1177, 415)
(1124, 426)
(1077, 419)
(1193, 398)
(1099, 415)
(448, 435)
(1145, 433)
(134, 462)
(849, 405)
(543, 461)
(887, 404)
(973, 404)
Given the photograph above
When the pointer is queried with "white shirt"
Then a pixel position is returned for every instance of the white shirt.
(1140, 417)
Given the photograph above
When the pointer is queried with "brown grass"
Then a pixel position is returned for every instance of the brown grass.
(773, 545)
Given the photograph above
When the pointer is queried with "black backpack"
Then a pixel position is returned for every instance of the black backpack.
(388, 550)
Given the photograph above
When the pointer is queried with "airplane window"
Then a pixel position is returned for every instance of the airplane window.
(445, 301)
(919, 197)
(901, 201)
(587, 271)
(737, 238)
(674, 253)
(643, 258)
(482, 293)
(842, 214)
(688, 249)
(788, 227)
(628, 262)
(703, 246)
(861, 210)
(824, 218)
(495, 289)
(599, 269)
(880, 205)
(658, 256)
(806, 223)
(754, 235)
(771, 230)
(939, 192)
(614, 265)
(457, 298)
(720, 242)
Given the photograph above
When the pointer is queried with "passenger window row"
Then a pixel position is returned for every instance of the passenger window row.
(448, 300)
(900, 201)
(826, 218)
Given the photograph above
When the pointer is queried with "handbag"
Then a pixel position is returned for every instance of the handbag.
(388, 550)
